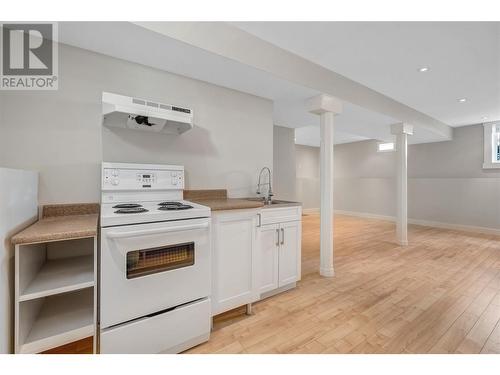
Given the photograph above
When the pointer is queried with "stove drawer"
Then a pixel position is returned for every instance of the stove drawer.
(170, 332)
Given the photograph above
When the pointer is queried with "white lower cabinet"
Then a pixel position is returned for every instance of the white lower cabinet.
(269, 257)
(289, 253)
(234, 281)
(279, 251)
(255, 252)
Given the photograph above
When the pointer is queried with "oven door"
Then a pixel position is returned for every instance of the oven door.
(147, 268)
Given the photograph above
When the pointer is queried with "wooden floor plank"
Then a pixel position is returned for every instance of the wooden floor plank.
(492, 345)
(481, 331)
(440, 294)
(452, 338)
(435, 295)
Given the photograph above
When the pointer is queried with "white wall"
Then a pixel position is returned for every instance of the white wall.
(364, 179)
(284, 163)
(307, 164)
(446, 182)
(59, 133)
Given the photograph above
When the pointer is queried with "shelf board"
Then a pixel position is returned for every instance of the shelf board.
(62, 319)
(61, 276)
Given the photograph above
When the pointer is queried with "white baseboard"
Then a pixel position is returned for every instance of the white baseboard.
(365, 215)
(425, 223)
(465, 228)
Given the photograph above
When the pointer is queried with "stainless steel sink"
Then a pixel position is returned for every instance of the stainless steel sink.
(275, 202)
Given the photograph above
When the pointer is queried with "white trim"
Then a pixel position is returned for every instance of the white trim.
(402, 128)
(488, 147)
(425, 223)
(465, 228)
(402, 131)
(326, 193)
(310, 211)
(491, 165)
(323, 103)
(365, 215)
(327, 271)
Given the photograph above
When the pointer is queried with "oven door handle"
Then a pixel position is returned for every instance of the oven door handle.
(146, 232)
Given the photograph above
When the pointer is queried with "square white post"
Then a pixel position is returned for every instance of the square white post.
(326, 107)
(402, 131)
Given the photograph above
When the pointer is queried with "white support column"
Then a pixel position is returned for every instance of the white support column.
(402, 131)
(327, 107)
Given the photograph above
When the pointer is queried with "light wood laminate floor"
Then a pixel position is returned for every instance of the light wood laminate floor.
(441, 294)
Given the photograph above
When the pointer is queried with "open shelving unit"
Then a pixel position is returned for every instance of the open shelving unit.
(60, 276)
(56, 293)
(62, 319)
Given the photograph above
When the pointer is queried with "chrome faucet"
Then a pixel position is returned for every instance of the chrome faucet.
(267, 199)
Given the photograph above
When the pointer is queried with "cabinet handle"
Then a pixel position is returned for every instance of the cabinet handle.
(282, 236)
(278, 240)
(260, 221)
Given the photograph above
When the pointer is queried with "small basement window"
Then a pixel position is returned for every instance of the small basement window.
(385, 147)
(496, 144)
(491, 145)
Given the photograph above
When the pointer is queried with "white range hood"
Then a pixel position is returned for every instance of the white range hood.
(140, 114)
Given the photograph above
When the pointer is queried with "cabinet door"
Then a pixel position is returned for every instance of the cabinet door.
(268, 257)
(233, 280)
(289, 253)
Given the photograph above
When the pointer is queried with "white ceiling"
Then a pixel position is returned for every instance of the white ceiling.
(131, 42)
(354, 124)
(124, 40)
(464, 61)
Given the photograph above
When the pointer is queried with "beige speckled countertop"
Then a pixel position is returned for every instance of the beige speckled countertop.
(217, 200)
(61, 222)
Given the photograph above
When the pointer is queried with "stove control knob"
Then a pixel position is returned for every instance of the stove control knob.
(115, 181)
(174, 181)
(115, 172)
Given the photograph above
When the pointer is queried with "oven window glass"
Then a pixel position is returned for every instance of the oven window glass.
(159, 259)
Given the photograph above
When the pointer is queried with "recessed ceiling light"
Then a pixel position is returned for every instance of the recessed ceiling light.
(423, 69)
(462, 100)
(485, 117)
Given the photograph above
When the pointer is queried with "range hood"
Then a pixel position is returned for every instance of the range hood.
(140, 114)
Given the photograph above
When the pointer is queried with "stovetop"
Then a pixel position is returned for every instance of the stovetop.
(128, 213)
(134, 208)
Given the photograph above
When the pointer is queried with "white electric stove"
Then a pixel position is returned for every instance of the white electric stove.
(155, 261)
(113, 214)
